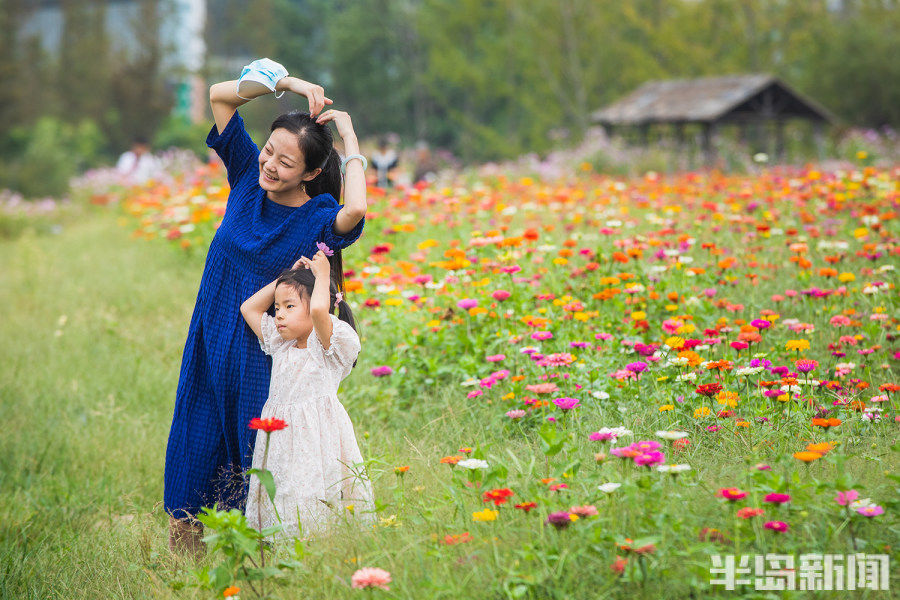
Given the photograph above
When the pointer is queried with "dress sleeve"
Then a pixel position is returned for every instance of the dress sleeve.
(235, 148)
(330, 238)
(271, 341)
(343, 350)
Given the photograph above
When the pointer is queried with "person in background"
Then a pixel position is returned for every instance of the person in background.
(138, 164)
(384, 159)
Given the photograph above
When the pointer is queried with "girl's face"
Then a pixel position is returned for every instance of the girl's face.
(281, 164)
(292, 314)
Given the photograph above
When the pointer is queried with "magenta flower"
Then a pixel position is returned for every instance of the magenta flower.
(500, 295)
(873, 510)
(647, 445)
(731, 494)
(776, 498)
(637, 367)
(845, 498)
(779, 526)
(648, 459)
(382, 371)
(739, 345)
(560, 519)
(541, 335)
(761, 323)
(467, 303)
(602, 436)
(495, 357)
(806, 366)
(566, 403)
(325, 249)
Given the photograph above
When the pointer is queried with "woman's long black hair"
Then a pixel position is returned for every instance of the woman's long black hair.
(304, 281)
(317, 145)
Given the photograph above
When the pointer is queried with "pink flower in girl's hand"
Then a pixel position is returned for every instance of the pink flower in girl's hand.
(370, 577)
(325, 249)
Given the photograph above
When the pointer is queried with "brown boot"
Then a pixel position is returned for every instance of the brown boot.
(186, 537)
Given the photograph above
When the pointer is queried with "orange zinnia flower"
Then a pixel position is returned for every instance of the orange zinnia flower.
(807, 456)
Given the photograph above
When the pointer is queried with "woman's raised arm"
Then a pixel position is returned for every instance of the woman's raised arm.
(223, 98)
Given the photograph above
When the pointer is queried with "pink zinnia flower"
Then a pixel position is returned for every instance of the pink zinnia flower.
(637, 367)
(806, 365)
(747, 512)
(541, 335)
(566, 403)
(870, 511)
(845, 498)
(731, 494)
(588, 510)
(370, 577)
(775, 498)
(648, 459)
(467, 303)
(761, 323)
(495, 357)
(647, 445)
(325, 249)
(382, 371)
(500, 295)
(779, 526)
(515, 414)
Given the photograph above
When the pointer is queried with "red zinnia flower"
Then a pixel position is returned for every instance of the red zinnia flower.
(267, 425)
(526, 506)
(709, 389)
(497, 496)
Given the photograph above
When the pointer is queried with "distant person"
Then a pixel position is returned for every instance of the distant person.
(426, 167)
(385, 159)
(284, 201)
(138, 164)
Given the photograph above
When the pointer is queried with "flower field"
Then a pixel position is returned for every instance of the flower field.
(649, 372)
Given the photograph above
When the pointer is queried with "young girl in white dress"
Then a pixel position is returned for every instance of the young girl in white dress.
(315, 461)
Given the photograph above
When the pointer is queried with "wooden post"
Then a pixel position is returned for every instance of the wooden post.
(779, 140)
(819, 138)
(708, 150)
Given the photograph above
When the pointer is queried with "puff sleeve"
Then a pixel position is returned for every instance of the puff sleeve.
(344, 348)
(237, 150)
(271, 341)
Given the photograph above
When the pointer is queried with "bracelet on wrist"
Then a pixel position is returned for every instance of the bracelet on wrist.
(347, 159)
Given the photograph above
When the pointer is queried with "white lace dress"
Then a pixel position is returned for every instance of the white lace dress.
(316, 458)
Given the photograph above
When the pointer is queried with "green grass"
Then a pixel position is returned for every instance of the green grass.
(91, 346)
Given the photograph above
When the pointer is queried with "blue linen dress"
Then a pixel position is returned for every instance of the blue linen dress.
(224, 379)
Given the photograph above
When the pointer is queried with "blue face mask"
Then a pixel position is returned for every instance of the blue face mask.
(263, 72)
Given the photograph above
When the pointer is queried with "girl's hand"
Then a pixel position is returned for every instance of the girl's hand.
(314, 93)
(341, 121)
(319, 265)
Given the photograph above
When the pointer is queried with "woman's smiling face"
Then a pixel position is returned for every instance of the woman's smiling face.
(281, 163)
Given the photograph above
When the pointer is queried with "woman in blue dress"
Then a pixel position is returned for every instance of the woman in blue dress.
(283, 202)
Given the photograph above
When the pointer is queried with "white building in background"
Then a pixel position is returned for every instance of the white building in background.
(181, 34)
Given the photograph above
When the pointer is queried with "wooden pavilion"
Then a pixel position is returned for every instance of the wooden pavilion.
(749, 102)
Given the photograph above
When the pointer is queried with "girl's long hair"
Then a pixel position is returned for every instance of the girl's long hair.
(317, 145)
(303, 281)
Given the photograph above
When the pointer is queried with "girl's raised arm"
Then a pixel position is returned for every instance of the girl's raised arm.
(223, 98)
(253, 307)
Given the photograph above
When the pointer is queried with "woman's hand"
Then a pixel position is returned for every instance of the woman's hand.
(319, 265)
(341, 121)
(314, 93)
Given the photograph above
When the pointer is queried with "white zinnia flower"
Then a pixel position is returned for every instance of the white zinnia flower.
(472, 463)
(609, 488)
(673, 468)
(672, 435)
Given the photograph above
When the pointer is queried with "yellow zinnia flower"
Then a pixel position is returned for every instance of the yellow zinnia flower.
(485, 515)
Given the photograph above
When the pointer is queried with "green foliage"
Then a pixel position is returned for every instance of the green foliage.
(179, 132)
(40, 159)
